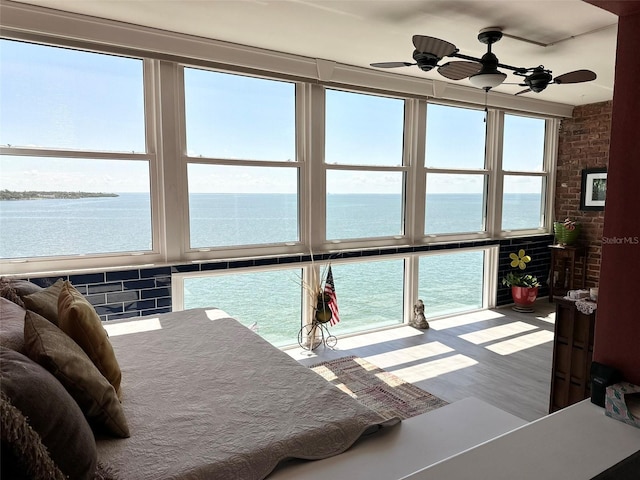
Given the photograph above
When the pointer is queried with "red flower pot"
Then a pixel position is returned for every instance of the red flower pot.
(524, 296)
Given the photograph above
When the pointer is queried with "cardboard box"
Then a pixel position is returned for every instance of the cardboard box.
(622, 402)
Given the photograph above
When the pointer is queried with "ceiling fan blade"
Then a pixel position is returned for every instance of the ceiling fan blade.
(459, 70)
(435, 46)
(391, 64)
(577, 76)
(526, 90)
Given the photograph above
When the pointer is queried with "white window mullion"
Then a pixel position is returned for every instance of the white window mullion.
(493, 159)
(550, 161)
(316, 178)
(411, 279)
(152, 134)
(170, 133)
(415, 132)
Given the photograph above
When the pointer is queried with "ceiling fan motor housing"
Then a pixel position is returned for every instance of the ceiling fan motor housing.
(538, 80)
(425, 60)
(490, 35)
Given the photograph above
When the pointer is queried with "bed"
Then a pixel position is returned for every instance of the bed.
(205, 397)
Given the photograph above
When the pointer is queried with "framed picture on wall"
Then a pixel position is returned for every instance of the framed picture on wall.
(594, 189)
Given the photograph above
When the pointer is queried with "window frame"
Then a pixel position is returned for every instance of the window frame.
(408, 162)
(166, 154)
(547, 174)
(150, 156)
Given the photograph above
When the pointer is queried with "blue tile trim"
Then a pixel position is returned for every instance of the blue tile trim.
(185, 268)
(127, 296)
(155, 272)
(109, 309)
(124, 275)
(87, 278)
(138, 284)
(147, 291)
(156, 293)
(141, 305)
(104, 288)
(214, 266)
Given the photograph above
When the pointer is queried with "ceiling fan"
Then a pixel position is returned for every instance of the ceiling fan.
(482, 72)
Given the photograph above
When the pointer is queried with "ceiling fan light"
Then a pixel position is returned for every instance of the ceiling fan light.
(487, 81)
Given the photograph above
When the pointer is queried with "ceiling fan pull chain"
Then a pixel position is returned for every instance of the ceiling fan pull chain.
(486, 110)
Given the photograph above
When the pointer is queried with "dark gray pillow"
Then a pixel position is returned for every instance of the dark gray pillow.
(24, 287)
(51, 412)
(7, 291)
(12, 325)
(24, 456)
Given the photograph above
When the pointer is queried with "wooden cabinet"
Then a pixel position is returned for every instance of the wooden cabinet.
(572, 354)
(563, 269)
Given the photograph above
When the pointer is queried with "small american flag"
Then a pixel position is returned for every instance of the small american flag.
(330, 291)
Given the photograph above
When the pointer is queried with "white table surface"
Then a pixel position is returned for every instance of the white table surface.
(398, 451)
(577, 442)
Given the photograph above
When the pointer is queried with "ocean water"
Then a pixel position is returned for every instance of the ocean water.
(370, 293)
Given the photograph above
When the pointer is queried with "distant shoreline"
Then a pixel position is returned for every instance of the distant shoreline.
(40, 195)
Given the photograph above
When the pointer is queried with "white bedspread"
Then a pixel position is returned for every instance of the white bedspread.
(209, 399)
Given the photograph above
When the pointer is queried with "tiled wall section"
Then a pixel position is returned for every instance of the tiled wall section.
(147, 291)
(122, 294)
(538, 249)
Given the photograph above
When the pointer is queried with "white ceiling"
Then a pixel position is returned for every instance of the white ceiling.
(359, 32)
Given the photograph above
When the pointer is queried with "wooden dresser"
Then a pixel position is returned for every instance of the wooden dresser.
(572, 354)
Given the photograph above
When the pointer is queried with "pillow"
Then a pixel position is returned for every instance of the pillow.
(23, 287)
(11, 325)
(45, 302)
(24, 456)
(54, 350)
(7, 291)
(78, 319)
(51, 413)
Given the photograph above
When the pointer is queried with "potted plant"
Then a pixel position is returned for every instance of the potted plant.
(566, 232)
(524, 287)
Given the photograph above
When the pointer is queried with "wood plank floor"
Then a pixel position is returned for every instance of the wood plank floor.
(500, 356)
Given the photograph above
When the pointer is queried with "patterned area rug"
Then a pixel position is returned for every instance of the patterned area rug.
(381, 391)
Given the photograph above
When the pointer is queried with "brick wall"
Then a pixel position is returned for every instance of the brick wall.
(583, 143)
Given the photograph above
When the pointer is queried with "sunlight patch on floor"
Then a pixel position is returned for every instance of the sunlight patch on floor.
(366, 339)
(357, 341)
(467, 319)
(496, 333)
(434, 368)
(408, 354)
(521, 343)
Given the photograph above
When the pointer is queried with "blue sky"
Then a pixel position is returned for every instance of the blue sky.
(66, 99)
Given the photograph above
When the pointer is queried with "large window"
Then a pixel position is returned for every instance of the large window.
(74, 159)
(270, 302)
(241, 166)
(364, 157)
(112, 161)
(224, 212)
(451, 282)
(456, 182)
(369, 294)
(524, 184)
(239, 117)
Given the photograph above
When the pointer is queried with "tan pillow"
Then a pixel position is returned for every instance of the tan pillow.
(45, 302)
(78, 319)
(49, 346)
